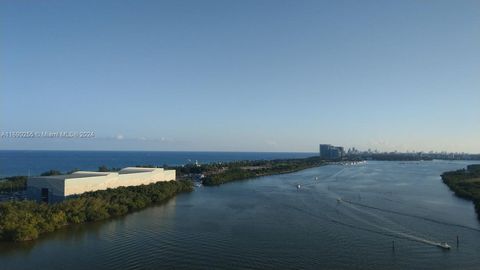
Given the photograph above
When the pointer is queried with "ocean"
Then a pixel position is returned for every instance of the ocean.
(36, 162)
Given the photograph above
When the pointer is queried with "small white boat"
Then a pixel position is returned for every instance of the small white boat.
(443, 245)
(298, 186)
(316, 177)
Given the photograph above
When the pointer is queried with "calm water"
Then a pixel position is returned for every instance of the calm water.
(37, 162)
(268, 223)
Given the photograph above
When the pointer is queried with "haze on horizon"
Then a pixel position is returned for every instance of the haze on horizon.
(242, 75)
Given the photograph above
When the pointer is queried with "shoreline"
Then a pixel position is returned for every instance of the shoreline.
(465, 183)
(28, 220)
(106, 204)
(99, 205)
(237, 171)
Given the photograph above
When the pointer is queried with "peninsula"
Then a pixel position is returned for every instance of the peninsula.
(23, 220)
(220, 173)
(465, 183)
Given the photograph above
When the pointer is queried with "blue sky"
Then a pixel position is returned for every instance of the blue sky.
(242, 75)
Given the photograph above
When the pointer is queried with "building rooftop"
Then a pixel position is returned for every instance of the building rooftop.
(137, 170)
(82, 174)
(73, 175)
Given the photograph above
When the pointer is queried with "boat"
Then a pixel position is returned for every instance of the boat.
(316, 177)
(298, 186)
(443, 245)
(339, 200)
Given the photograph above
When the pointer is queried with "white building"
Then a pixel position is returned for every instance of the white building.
(57, 187)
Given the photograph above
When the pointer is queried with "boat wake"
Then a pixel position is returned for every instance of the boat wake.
(367, 220)
(384, 231)
(411, 215)
(402, 232)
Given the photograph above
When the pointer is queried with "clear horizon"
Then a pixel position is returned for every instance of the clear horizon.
(250, 76)
(220, 151)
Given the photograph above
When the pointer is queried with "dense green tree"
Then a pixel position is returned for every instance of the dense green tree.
(465, 183)
(51, 172)
(26, 220)
(13, 183)
(240, 170)
(103, 168)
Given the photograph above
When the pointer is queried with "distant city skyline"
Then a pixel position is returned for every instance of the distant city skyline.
(109, 144)
(279, 76)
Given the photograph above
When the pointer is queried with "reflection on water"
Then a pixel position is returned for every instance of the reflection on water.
(340, 218)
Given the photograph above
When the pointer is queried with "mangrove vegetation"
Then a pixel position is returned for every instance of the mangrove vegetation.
(13, 183)
(26, 220)
(241, 170)
(465, 183)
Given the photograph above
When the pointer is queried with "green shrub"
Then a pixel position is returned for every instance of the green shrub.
(464, 183)
(26, 220)
(13, 183)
